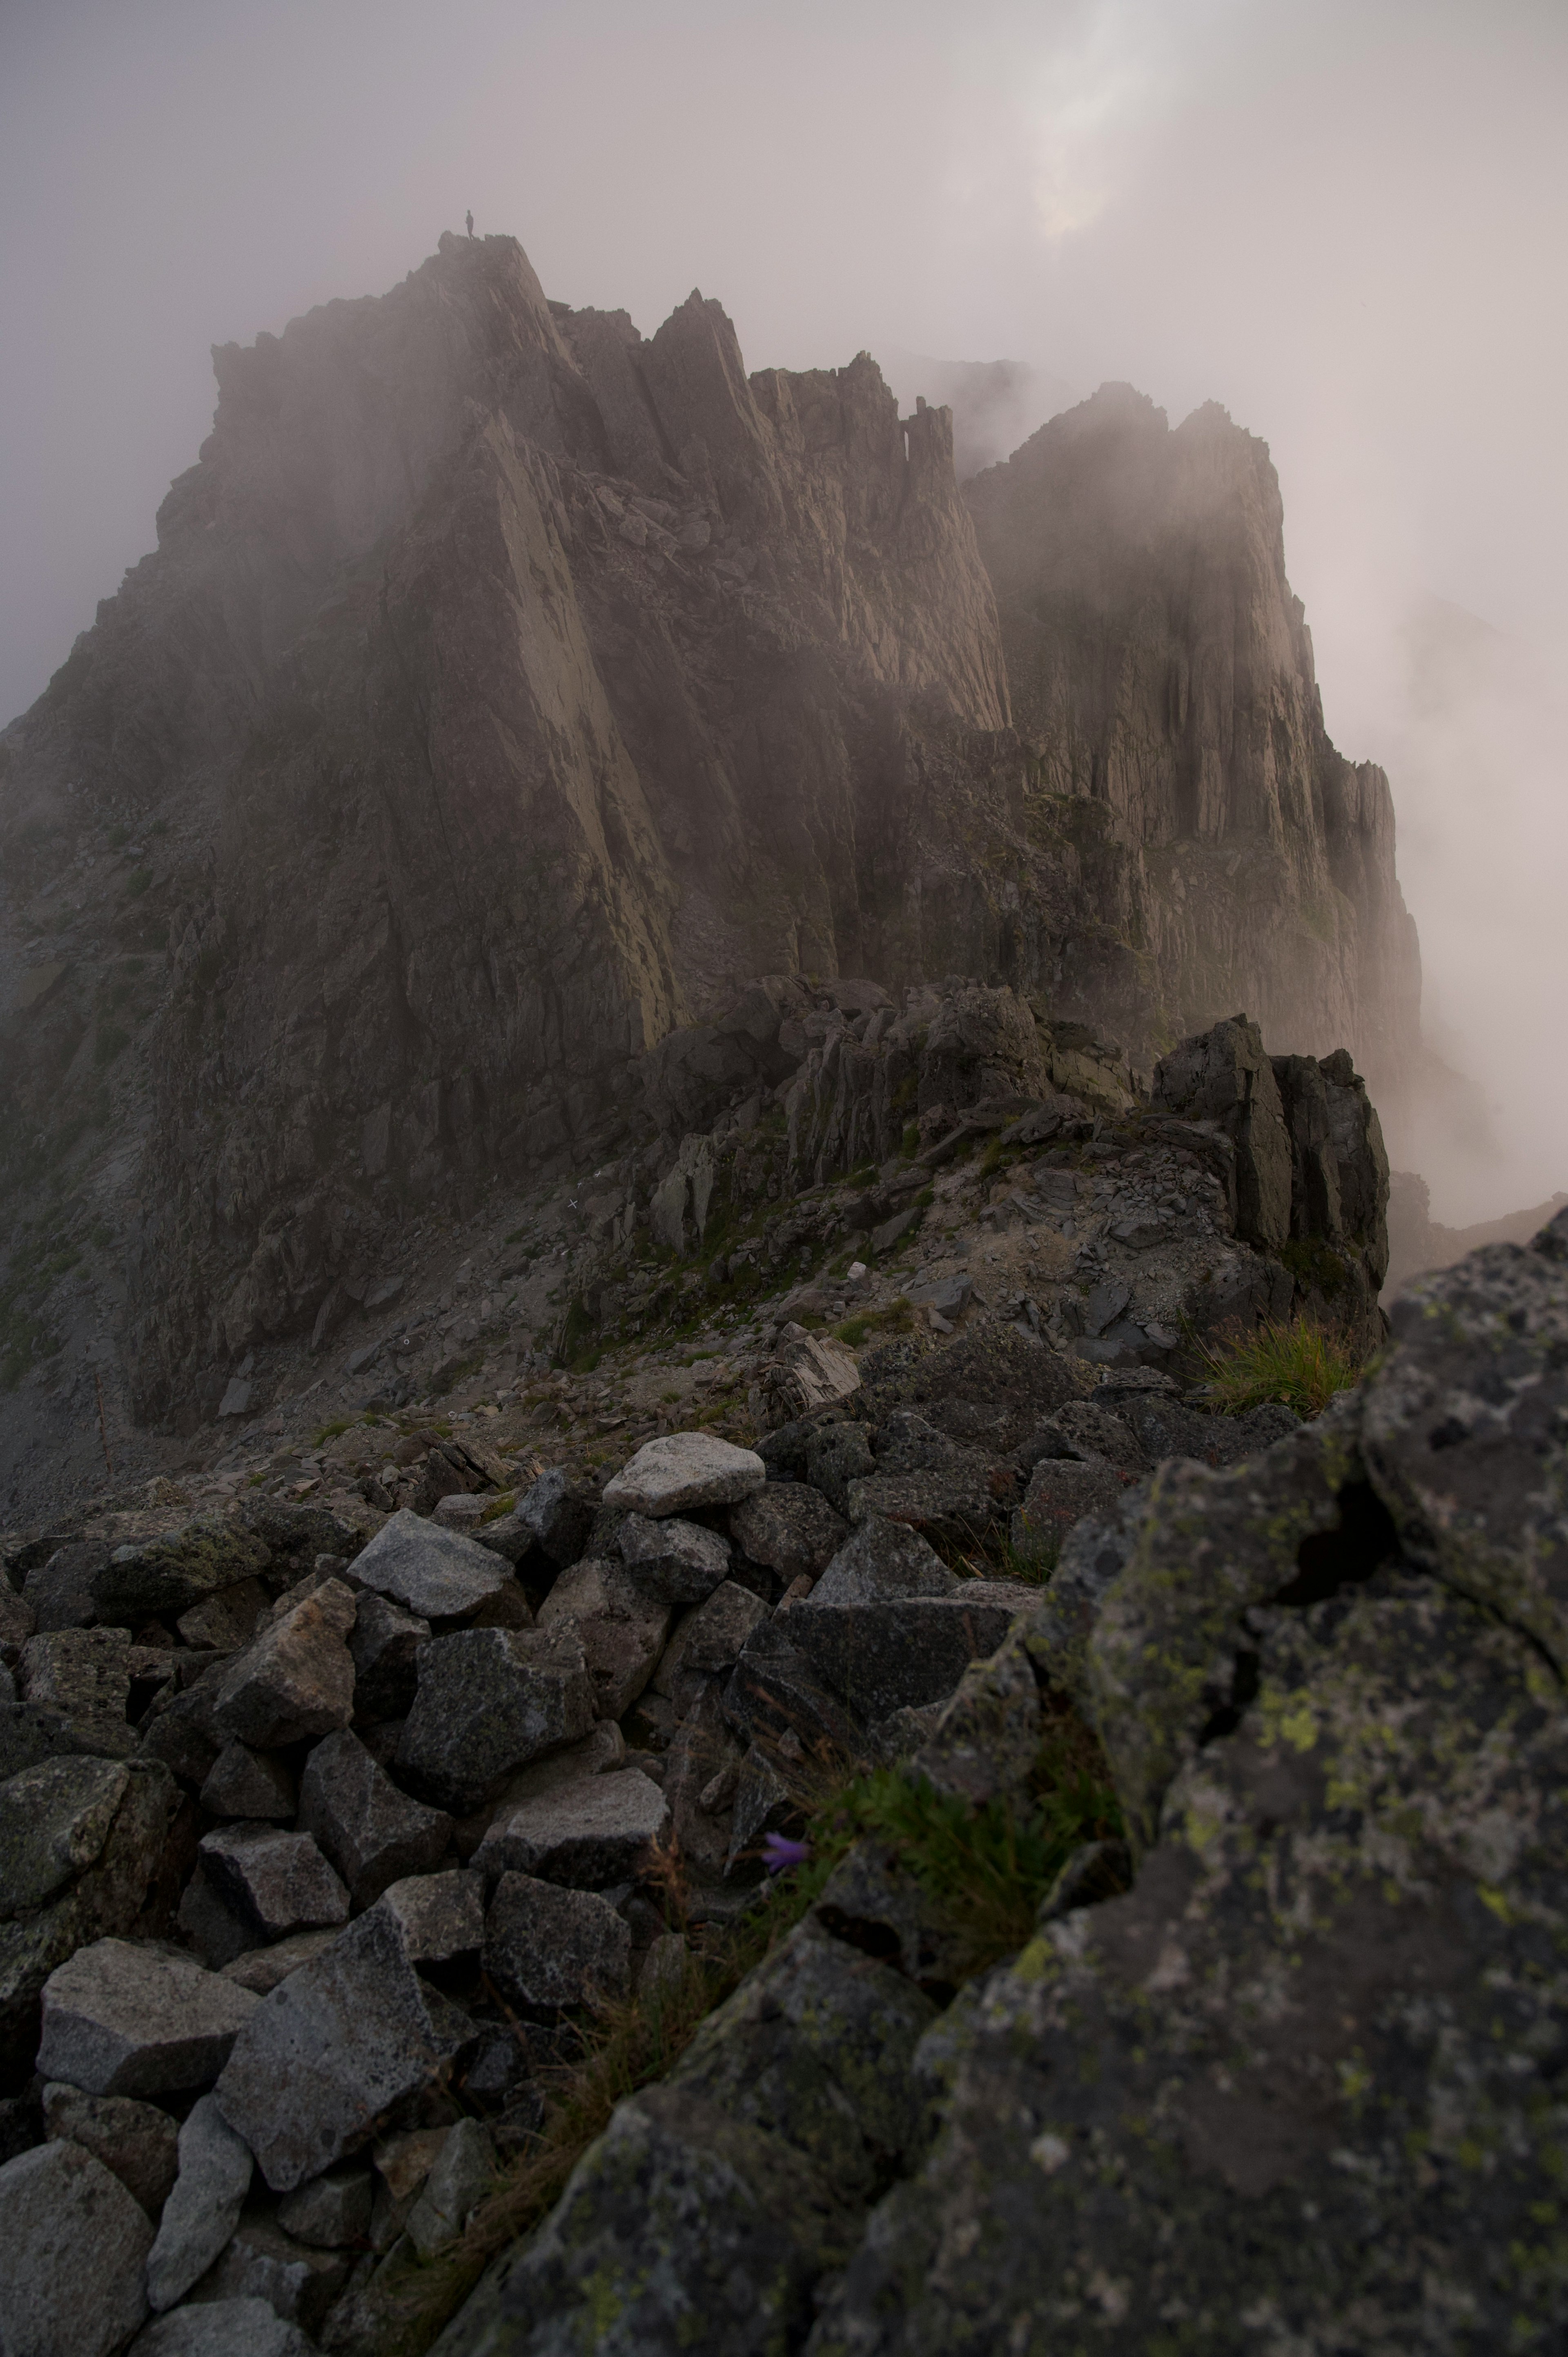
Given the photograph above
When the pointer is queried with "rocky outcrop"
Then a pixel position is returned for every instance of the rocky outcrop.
(1161, 673)
(508, 691)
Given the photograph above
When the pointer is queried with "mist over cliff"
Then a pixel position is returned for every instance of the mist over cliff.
(509, 689)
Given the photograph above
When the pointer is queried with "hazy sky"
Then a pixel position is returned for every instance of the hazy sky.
(1346, 222)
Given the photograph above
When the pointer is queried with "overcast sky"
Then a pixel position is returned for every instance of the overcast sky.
(1344, 222)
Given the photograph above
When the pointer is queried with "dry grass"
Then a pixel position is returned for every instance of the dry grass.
(1301, 1363)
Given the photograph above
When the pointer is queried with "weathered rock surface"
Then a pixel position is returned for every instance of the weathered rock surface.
(249, 1784)
(684, 1471)
(74, 2243)
(436, 1574)
(137, 2141)
(488, 1701)
(599, 1831)
(894, 1655)
(373, 1834)
(621, 1624)
(277, 1880)
(298, 1680)
(678, 1562)
(546, 1947)
(120, 2019)
(335, 2044)
(789, 1527)
(222, 2328)
(203, 2210)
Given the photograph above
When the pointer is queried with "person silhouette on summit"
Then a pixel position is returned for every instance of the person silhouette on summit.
(470, 224)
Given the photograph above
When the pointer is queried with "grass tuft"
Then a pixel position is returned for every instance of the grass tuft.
(1302, 1364)
(896, 1319)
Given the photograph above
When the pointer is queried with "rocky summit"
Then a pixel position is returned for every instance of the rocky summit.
(656, 1693)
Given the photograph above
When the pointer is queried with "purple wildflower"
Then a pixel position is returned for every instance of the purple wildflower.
(778, 1851)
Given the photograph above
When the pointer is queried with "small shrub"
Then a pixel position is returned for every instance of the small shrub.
(332, 1431)
(1302, 1364)
(991, 1160)
(897, 1317)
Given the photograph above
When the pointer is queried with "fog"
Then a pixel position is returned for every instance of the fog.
(1344, 222)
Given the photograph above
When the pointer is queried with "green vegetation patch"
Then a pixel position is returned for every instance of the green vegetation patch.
(1302, 1364)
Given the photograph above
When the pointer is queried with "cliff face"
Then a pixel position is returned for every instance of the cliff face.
(1163, 672)
(508, 690)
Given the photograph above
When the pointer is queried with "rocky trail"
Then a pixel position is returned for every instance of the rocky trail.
(349, 1782)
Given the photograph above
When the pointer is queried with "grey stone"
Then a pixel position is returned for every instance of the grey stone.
(881, 1562)
(82, 1677)
(329, 2211)
(883, 1657)
(260, 2261)
(217, 1931)
(1105, 1304)
(59, 1592)
(464, 2173)
(120, 2019)
(137, 2141)
(203, 2211)
(297, 1681)
(228, 1619)
(791, 1527)
(708, 1640)
(681, 1471)
(773, 1693)
(438, 1573)
(335, 2045)
(599, 1831)
(261, 1969)
(385, 1648)
(439, 1916)
(1223, 1076)
(489, 1700)
(679, 1562)
(547, 1948)
(246, 1783)
(808, 1371)
(836, 1454)
(74, 2241)
(172, 1573)
(222, 2328)
(107, 1896)
(1061, 1491)
(621, 1625)
(54, 1820)
(555, 1515)
(372, 1833)
(702, 1768)
(278, 1880)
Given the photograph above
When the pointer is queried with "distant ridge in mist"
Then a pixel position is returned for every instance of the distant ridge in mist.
(995, 405)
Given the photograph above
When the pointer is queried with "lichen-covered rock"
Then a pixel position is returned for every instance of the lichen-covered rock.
(297, 1681)
(683, 1470)
(170, 1574)
(789, 1527)
(74, 2241)
(489, 1700)
(622, 1627)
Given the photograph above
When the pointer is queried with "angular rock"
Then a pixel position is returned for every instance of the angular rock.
(107, 1896)
(708, 1640)
(261, 1969)
(124, 2020)
(249, 1784)
(464, 2173)
(884, 1657)
(385, 1647)
(82, 1677)
(217, 1931)
(335, 2045)
(1223, 1076)
(555, 1516)
(774, 1695)
(373, 1834)
(172, 1573)
(277, 1880)
(59, 1592)
(1061, 1491)
(297, 1681)
(835, 1456)
(227, 1621)
(881, 1562)
(488, 1701)
(702, 1769)
(222, 2328)
(439, 1916)
(791, 1527)
(588, 1836)
(679, 1563)
(681, 1471)
(54, 1820)
(204, 2208)
(330, 2212)
(260, 2261)
(622, 1627)
(74, 2243)
(547, 1948)
(763, 1803)
(810, 1372)
(137, 2141)
(439, 1575)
